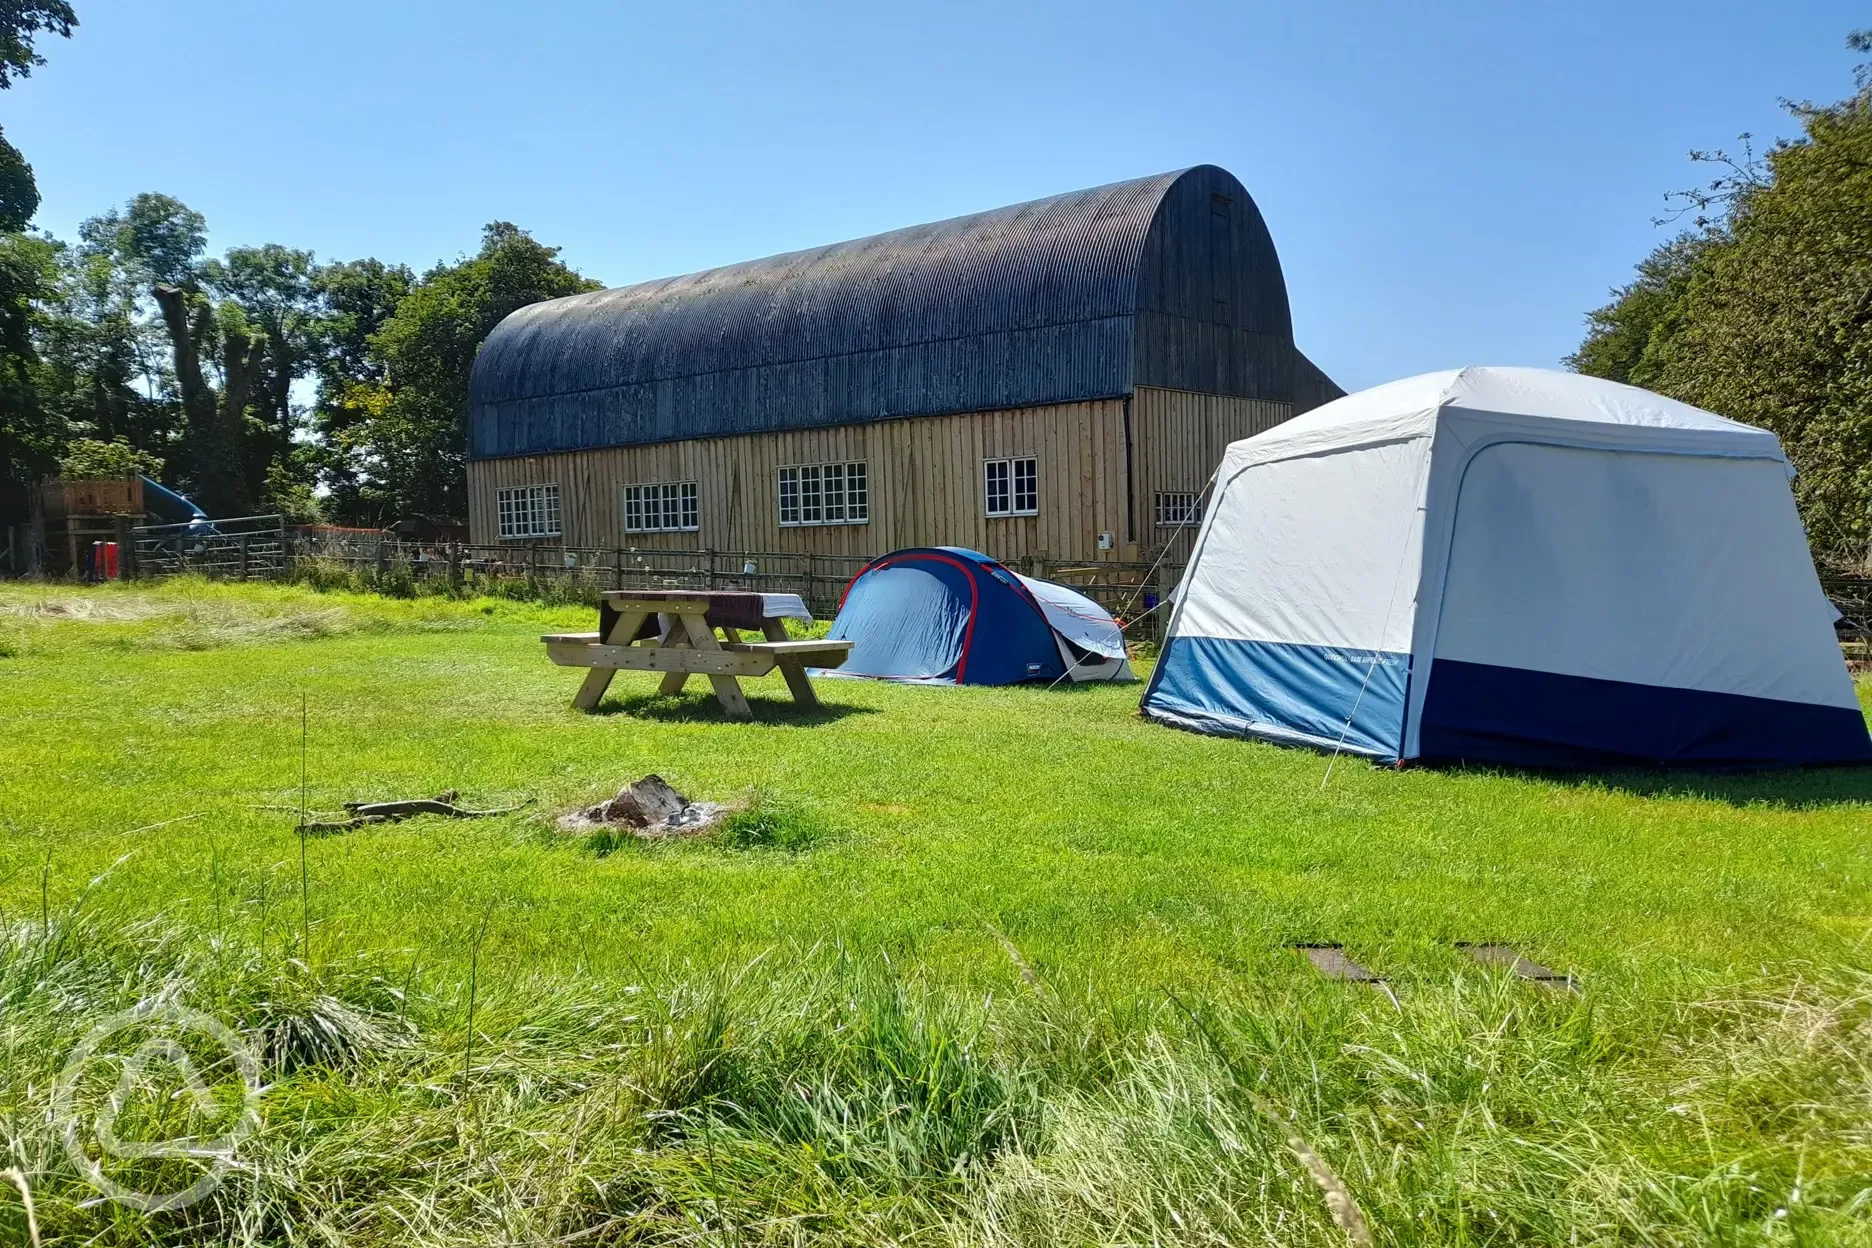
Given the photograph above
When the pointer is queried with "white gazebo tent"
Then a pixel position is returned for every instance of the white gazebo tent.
(1510, 565)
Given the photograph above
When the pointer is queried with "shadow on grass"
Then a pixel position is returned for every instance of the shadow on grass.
(1081, 686)
(702, 708)
(1792, 788)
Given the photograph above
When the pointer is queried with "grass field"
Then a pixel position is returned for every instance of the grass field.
(984, 966)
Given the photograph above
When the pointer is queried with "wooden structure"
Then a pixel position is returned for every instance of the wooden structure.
(71, 515)
(1052, 380)
(683, 644)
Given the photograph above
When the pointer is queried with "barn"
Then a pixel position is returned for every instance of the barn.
(1055, 379)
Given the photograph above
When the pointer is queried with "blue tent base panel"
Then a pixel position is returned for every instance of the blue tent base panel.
(1325, 696)
(1214, 725)
(1352, 701)
(1476, 712)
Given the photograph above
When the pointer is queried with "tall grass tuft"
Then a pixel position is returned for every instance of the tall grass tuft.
(814, 1096)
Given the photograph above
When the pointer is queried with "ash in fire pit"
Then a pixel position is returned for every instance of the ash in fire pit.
(649, 809)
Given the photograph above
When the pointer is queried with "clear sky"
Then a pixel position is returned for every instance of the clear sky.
(1448, 183)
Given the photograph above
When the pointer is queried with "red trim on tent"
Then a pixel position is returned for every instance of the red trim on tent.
(968, 633)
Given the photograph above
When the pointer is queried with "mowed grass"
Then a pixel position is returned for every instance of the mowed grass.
(990, 966)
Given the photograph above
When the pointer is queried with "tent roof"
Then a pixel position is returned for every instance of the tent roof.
(1413, 406)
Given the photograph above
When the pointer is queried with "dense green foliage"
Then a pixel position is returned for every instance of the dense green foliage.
(21, 24)
(409, 435)
(1764, 314)
(906, 997)
(30, 436)
(88, 459)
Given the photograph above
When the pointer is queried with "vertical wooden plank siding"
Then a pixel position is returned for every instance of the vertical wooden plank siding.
(924, 475)
(1179, 439)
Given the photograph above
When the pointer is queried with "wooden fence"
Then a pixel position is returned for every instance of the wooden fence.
(1127, 590)
(1853, 597)
(261, 547)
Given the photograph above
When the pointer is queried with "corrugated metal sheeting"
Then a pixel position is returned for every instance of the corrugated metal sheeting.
(1168, 281)
(1312, 387)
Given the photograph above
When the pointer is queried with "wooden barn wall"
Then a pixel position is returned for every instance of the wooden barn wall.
(1178, 440)
(925, 478)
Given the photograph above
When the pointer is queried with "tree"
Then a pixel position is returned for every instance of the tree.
(90, 459)
(19, 194)
(1766, 315)
(29, 433)
(272, 286)
(409, 438)
(104, 366)
(30, 437)
(358, 297)
(162, 239)
(1622, 336)
(21, 22)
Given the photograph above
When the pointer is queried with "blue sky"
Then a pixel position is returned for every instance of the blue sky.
(1448, 183)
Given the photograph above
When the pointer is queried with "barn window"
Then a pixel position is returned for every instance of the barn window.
(1011, 487)
(837, 493)
(1176, 509)
(528, 511)
(664, 507)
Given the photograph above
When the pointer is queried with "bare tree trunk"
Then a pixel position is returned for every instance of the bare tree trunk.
(174, 305)
(277, 384)
(240, 367)
(212, 441)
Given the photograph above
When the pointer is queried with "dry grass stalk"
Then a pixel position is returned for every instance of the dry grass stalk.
(1345, 1212)
(1027, 973)
(32, 1217)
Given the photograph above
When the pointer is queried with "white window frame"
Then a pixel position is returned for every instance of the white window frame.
(1170, 504)
(1011, 486)
(662, 507)
(526, 512)
(816, 495)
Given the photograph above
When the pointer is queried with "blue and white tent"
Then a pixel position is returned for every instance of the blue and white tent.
(1510, 565)
(944, 615)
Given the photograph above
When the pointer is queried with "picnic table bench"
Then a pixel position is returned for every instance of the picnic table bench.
(673, 632)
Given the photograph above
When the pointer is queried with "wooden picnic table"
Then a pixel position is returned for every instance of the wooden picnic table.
(673, 632)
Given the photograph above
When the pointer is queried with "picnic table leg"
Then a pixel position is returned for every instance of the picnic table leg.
(727, 688)
(673, 682)
(792, 669)
(598, 679)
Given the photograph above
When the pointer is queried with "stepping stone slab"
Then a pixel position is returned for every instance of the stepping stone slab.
(1510, 958)
(1331, 961)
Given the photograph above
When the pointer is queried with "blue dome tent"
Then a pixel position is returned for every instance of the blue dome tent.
(949, 616)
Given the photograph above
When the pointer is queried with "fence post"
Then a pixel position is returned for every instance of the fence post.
(35, 540)
(126, 547)
(243, 557)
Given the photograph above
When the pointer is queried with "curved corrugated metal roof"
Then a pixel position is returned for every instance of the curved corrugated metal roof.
(1076, 296)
